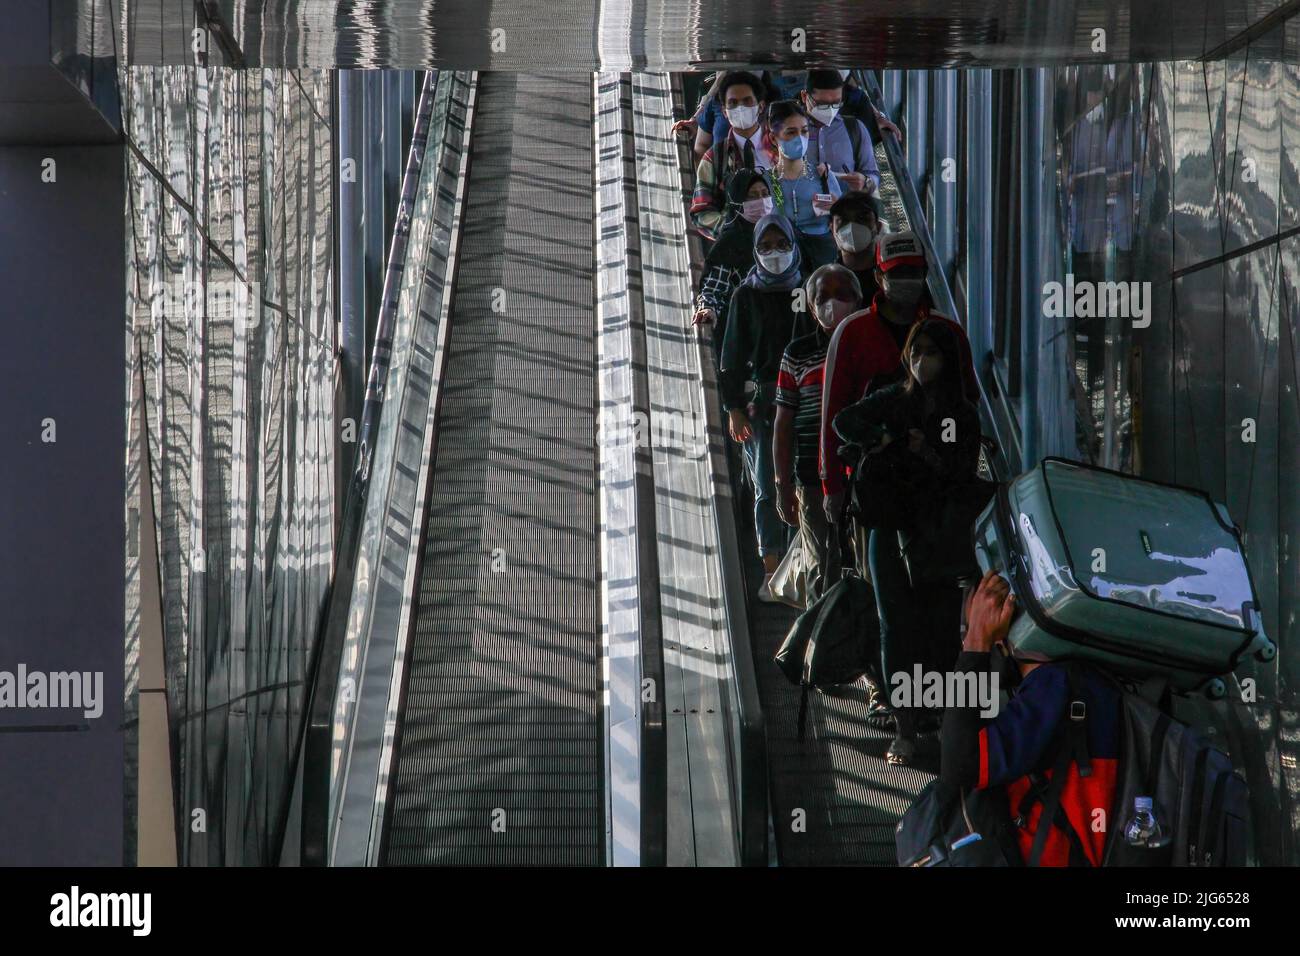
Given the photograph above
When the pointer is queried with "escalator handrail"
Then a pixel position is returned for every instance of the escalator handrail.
(624, 336)
(752, 806)
(312, 751)
(940, 291)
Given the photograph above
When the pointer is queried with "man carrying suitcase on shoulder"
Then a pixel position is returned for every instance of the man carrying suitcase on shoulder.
(1031, 746)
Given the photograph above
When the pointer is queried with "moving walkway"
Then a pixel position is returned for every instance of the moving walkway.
(541, 646)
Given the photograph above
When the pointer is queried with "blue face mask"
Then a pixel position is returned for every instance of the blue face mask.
(794, 148)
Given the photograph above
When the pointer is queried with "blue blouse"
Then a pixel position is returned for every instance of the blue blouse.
(797, 203)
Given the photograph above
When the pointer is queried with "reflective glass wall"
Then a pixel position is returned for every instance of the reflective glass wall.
(1180, 177)
(232, 340)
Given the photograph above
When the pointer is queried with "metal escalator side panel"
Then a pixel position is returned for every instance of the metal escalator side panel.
(379, 614)
(717, 734)
(632, 643)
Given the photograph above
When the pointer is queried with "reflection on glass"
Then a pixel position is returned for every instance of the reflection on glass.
(238, 401)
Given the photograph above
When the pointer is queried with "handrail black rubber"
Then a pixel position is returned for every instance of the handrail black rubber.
(313, 749)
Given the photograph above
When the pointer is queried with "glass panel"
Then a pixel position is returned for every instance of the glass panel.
(1288, 107)
(1198, 161)
(1288, 461)
(273, 186)
(1153, 368)
(239, 404)
(1250, 396)
(1253, 143)
(1198, 380)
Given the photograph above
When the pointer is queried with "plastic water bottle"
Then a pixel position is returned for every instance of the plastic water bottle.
(1143, 829)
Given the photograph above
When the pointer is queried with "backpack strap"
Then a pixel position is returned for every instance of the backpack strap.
(1198, 807)
(1156, 690)
(1158, 734)
(1210, 855)
(1072, 747)
(1049, 792)
(1076, 728)
(1039, 786)
(855, 134)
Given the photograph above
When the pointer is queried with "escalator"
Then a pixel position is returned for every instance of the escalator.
(835, 800)
(498, 751)
(534, 651)
(541, 647)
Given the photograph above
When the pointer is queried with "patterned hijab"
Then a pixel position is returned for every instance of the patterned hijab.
(758, 277)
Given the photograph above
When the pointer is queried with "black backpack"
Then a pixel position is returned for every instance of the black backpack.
(950, 826)
(1196, 791)
(1199, 800)
(836, 640)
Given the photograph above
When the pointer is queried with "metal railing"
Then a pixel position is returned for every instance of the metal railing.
(631, 625)
(748, 733)
(354, 672)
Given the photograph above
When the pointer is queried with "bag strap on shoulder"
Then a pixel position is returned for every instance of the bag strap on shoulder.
(855, 134)
(1076, 716)
(1072, 747)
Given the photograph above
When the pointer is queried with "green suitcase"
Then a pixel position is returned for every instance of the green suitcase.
(1144, 578)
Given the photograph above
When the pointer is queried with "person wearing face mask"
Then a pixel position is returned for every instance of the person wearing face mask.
(799, 193)
(761, 321)
(865, 350)
(832, 294)
(838, 146)
(790, 84)
(708, 123)
(856, 226)
(731, 258)
(785, 84)
(741, 97)
(918, 442)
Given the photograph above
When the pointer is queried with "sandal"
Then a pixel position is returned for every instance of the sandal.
(879, 715)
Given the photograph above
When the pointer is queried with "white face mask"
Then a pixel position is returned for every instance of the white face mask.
(855, 237)
(776, 262)
(824, 114)
(831, 312)
(742, 117)
(902, 292)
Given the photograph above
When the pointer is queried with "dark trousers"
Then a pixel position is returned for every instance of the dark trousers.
(919, 625)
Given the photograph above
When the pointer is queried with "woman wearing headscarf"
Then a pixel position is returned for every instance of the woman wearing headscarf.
(761, 321)
(749, 199)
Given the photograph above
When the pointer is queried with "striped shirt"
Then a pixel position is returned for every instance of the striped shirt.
(799, 388)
